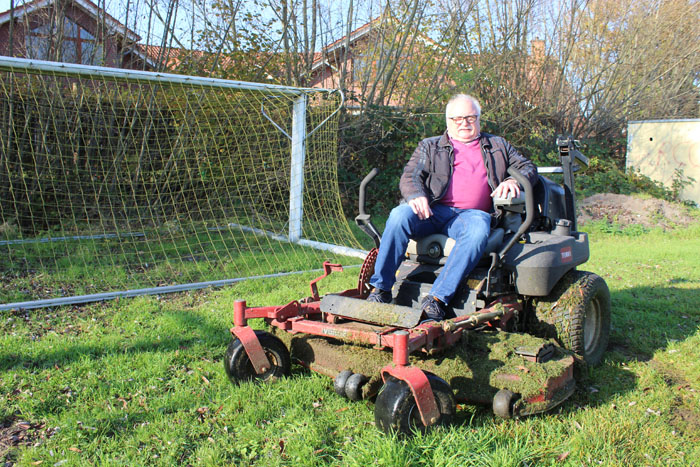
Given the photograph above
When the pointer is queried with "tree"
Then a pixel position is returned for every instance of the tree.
(635, 60)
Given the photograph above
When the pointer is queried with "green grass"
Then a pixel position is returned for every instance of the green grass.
(140, 382)
(34, 271)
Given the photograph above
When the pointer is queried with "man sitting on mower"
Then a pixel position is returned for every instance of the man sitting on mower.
(448, 186)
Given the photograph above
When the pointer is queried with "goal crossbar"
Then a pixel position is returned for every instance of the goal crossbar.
(23, 65)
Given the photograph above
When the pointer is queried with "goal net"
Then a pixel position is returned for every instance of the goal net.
(119, 180)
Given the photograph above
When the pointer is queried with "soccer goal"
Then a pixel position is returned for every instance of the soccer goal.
(115, 182)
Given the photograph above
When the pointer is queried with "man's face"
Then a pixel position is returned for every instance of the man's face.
(468, 127)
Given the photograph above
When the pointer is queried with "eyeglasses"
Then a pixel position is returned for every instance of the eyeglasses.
(468, 118)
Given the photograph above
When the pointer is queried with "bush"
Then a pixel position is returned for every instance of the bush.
(606, 174)
(615, 180)
(384, 138)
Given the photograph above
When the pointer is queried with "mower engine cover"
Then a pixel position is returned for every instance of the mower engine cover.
(540, 262)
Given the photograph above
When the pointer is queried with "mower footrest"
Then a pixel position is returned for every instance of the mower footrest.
(384, 314)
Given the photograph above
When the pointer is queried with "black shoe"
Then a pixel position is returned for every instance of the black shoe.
(433, 308)
(379, 296)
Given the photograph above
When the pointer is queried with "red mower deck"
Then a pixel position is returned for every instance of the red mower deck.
(479, 361)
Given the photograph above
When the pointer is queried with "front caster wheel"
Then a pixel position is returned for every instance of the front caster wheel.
(239, 368)
(503, 403)
(396, 410)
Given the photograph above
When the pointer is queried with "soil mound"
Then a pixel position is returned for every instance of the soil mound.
(625, 210)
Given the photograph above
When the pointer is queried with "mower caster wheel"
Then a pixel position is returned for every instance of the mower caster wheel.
(353, 386)
(240, 369)
(339, 382)
(503, 403)
(396, 410)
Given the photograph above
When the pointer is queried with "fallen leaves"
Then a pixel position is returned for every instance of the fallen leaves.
(123, 401)
(15, 432)
(202, 411)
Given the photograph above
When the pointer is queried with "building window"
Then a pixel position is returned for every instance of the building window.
(38, 42)
(362, 67)
(76, 45)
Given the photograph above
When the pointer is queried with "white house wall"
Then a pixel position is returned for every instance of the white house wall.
(656, 148)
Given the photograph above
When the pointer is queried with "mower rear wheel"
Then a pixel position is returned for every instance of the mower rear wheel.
(240, 369)
(577, 314)
(396, 411)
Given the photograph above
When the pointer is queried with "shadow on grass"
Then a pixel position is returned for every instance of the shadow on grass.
(646, 319)
(197, 329)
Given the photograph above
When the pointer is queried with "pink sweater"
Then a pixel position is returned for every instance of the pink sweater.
(469, 187)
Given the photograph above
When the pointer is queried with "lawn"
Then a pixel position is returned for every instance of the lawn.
(141, 382)
(79, 265)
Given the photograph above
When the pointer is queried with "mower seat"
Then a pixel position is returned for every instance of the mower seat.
(435, 248)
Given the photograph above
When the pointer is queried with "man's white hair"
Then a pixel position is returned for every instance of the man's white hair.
(458, 97)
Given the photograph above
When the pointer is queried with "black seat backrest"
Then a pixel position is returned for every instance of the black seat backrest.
(550, 200)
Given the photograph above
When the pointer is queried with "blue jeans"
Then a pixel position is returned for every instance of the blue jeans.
(469, 228)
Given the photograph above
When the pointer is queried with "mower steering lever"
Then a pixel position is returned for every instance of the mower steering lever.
(362, 220)
(529, 209)
(363, 188)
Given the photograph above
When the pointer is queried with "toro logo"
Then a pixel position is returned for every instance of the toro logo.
(566, 255)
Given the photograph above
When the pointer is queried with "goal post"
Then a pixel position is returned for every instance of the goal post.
(296, 200)
(114, 180)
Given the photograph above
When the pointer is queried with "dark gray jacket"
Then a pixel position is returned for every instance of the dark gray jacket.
(428, 171)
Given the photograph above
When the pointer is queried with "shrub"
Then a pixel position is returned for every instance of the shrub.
(384, 138)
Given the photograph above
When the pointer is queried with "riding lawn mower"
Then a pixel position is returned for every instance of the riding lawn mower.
(515, 329)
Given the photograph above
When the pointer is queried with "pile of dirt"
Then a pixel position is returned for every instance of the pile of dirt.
(625, 210)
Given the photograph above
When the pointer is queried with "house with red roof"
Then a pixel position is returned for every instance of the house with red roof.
(381, 62)
(373, 53)
(72, 31)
